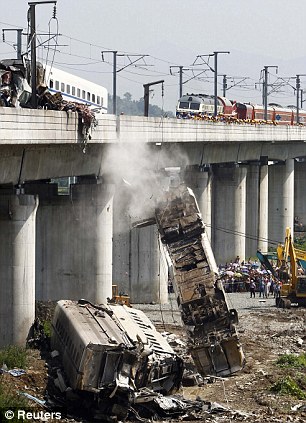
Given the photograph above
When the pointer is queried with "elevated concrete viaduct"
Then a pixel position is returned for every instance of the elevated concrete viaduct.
(249, 181)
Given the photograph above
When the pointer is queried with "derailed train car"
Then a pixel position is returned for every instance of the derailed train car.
(110, 350)
(210, 324)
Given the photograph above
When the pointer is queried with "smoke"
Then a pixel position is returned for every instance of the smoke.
(140, 175)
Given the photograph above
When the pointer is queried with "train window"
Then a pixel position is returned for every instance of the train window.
(98, 99)
(51, 83)
(78, 92)
(73, 90)
(184, 105)
(68, 89)
(101, 101)
(93, 98)
(88, 96)
(57, 85)
(62, 87)
(83, 94)
(194, 106)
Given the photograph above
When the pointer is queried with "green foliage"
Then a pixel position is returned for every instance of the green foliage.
(47, 328)
(300, 242)
(131, 107)
(10, 399)
(14, 356)
(291, 360)
(288, 386)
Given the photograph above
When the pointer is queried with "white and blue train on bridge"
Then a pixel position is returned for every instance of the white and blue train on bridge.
(76, 89)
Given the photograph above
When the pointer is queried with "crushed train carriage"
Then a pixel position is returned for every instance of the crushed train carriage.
(210, 324)
(111, 349)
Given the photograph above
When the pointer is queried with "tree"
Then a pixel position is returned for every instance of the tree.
(128, 106)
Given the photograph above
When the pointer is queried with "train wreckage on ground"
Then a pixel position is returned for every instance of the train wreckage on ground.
(114, 352)
(111, 352)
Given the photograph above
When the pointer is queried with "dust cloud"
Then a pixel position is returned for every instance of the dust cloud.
(140, 174)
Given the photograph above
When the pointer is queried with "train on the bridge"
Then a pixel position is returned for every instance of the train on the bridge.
(201, 106)
(76, 89)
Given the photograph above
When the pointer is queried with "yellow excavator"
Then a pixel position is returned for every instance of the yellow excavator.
(290, 272)
(291, 262)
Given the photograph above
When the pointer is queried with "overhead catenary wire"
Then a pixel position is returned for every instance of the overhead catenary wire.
(242, 234)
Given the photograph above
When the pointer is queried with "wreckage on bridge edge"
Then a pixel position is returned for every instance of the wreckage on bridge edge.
(210, 324)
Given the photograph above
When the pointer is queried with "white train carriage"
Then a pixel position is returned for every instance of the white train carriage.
(110, 348)
(76, 89)
(197, 104)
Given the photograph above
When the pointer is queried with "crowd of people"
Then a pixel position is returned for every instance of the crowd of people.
(249, 276)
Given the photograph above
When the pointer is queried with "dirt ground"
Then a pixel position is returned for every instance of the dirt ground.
(265, 334)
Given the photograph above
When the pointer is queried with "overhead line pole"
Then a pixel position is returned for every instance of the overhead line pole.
(115, 71)
(298, 87)
(265, 90)
(216, 80)
(19, 42)
(32, 20)
(146, 95)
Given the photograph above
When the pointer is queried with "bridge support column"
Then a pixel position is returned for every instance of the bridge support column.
(201, 182)
(149, 270)
(122, 242)
(139, 265)
(75, 250)
(263, 209)
(252, 215)
(17, 267)
(288, 209)
(281, 199)
(300, 192)
(229, 228)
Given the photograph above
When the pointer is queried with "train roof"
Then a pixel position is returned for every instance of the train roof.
(111, 325)
(93, 325)
(200, 98)
(63, 76)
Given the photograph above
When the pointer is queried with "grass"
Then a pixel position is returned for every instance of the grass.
(14, 356)
(288, 386)
(291, 360)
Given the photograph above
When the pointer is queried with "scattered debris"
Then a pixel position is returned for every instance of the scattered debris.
(16, 372)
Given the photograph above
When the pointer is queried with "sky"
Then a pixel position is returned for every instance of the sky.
(164, 34)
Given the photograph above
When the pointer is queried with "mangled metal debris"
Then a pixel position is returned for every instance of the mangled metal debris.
(112, 351)
(210, 324)
(15, 91)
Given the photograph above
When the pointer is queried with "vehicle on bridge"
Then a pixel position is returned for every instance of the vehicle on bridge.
(201, 106)
(76, 89)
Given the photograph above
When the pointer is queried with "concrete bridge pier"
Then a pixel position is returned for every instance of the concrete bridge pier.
(252, 215)
(149, 269)
(17, 267)
(229, 225)
(281, 199)
(74, 244)
(139, 264)
(263, 225)
(300, 191)
(122, 241)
